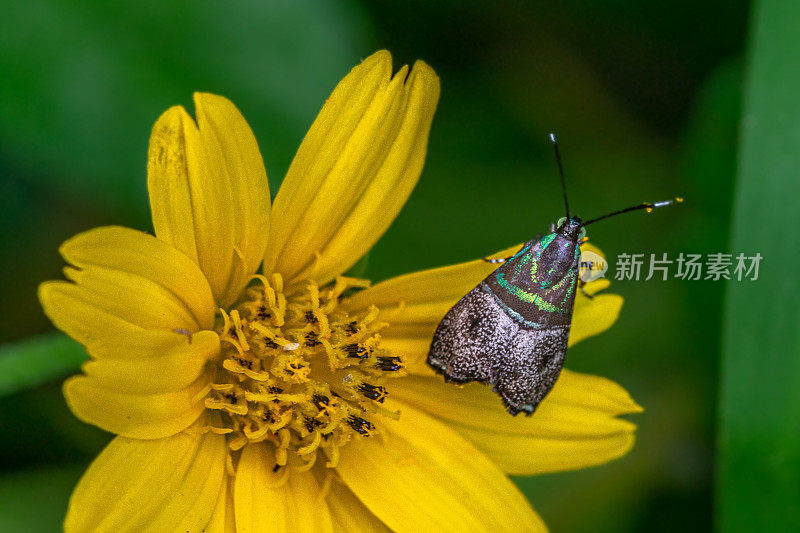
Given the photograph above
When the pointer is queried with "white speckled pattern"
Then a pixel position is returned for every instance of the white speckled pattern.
(478, 341)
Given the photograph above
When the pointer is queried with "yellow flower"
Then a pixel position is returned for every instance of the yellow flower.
(298, 399)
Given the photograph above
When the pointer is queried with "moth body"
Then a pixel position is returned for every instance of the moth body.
(511, 330)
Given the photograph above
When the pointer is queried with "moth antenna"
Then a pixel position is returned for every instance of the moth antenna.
(646, 206)
(560, 171)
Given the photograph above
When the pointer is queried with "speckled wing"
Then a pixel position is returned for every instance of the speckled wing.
(493, 335)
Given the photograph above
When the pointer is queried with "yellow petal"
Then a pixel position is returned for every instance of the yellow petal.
(354, 170)
(131, 292)
(135, 276)
(593, 316)
(128, 358)
(575, 426)
(412, 351)
(169, 484)
(414, 304)
(151, 362)
(441, 286)
(208, 191)
(426, 477)
(349, 515)
(266, 502)
(223, 519)
(138, 416)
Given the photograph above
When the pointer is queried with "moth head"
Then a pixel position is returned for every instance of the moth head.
(571, 228)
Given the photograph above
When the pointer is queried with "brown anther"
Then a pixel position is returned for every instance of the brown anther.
(355, 350)
(269, 343)
(389, 364)
(312, 339)
(320, 401)
(360, 425)
(311, 424)
(373, 392)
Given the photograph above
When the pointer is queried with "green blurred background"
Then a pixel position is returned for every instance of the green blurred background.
(645, 99)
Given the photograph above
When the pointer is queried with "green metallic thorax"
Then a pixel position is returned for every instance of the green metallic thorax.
(537, 286)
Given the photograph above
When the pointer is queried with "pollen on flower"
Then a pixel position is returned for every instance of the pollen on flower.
(300, 372)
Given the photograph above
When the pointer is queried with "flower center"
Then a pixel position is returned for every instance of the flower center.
(300, 372)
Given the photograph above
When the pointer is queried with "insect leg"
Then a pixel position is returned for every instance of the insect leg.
(186, 332)
(504, 259)
(499, 260)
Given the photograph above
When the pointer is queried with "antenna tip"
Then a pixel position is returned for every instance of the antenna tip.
(679, 199)
(553, 137)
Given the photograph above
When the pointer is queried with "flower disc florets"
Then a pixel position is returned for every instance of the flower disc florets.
(300, 371)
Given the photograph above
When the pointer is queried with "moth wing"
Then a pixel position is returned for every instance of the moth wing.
(530, 368)
(492, 337)
(471, 339)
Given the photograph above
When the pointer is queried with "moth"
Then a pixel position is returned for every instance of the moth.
(511, 330)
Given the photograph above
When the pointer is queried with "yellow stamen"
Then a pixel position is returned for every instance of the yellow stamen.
(333, 457)
(299, 372)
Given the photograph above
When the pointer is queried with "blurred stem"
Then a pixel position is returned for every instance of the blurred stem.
(759, 440)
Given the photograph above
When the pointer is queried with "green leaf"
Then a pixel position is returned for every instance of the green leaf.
(34, 361)
(759, 443)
